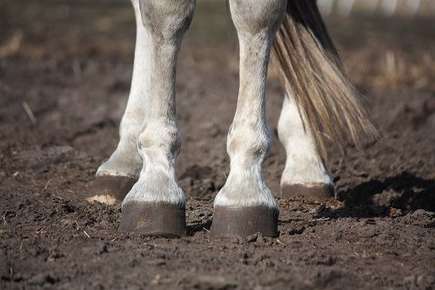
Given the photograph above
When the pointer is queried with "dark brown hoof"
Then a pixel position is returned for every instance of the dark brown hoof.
(315, 192)
(157, 219)
(244, 221)
(109, 189)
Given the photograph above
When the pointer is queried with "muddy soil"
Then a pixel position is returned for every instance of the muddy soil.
(65, 68)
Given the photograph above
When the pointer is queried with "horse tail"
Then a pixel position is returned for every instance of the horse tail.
(328, 104)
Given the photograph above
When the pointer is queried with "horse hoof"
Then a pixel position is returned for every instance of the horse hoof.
(308, 192)
(110, 189)
(156, 219)
(244, 221)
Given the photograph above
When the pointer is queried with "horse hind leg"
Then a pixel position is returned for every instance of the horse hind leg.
(320, 102)
(245, 205)
(304, 176)
(116, 176)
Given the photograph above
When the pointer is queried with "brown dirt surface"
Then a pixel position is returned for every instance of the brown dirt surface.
(65, 70)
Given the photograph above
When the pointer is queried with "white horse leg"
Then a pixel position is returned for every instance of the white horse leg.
(304, 174)
(156, 204)
(116, 176)
(245, 204)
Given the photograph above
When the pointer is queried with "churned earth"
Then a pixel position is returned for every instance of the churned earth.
(65, 69)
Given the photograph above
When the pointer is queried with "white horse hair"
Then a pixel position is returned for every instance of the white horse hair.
(319, 102)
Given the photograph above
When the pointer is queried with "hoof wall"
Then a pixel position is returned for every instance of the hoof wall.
(110, 189)
(316, 192)
(157, 219)
(244, 221)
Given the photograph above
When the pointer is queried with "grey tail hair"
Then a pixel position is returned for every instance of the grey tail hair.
(313, 75)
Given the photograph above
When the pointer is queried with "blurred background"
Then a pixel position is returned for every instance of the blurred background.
(410, 8)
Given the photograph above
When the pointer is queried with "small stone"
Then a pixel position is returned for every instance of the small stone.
(296, 230)
(252, 238)
(369, 233)
(423, 213)
(370, 221)
(41, 279)
(395, 212)
(213, 282)
(102, 248)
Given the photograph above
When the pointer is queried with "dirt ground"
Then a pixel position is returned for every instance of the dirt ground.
(65, 69)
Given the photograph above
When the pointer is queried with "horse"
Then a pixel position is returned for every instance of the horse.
(320, 107)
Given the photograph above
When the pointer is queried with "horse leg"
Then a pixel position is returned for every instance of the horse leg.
(156, 204)
(305, 175)
(245, 204)
(321, 102)
(116, 176)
